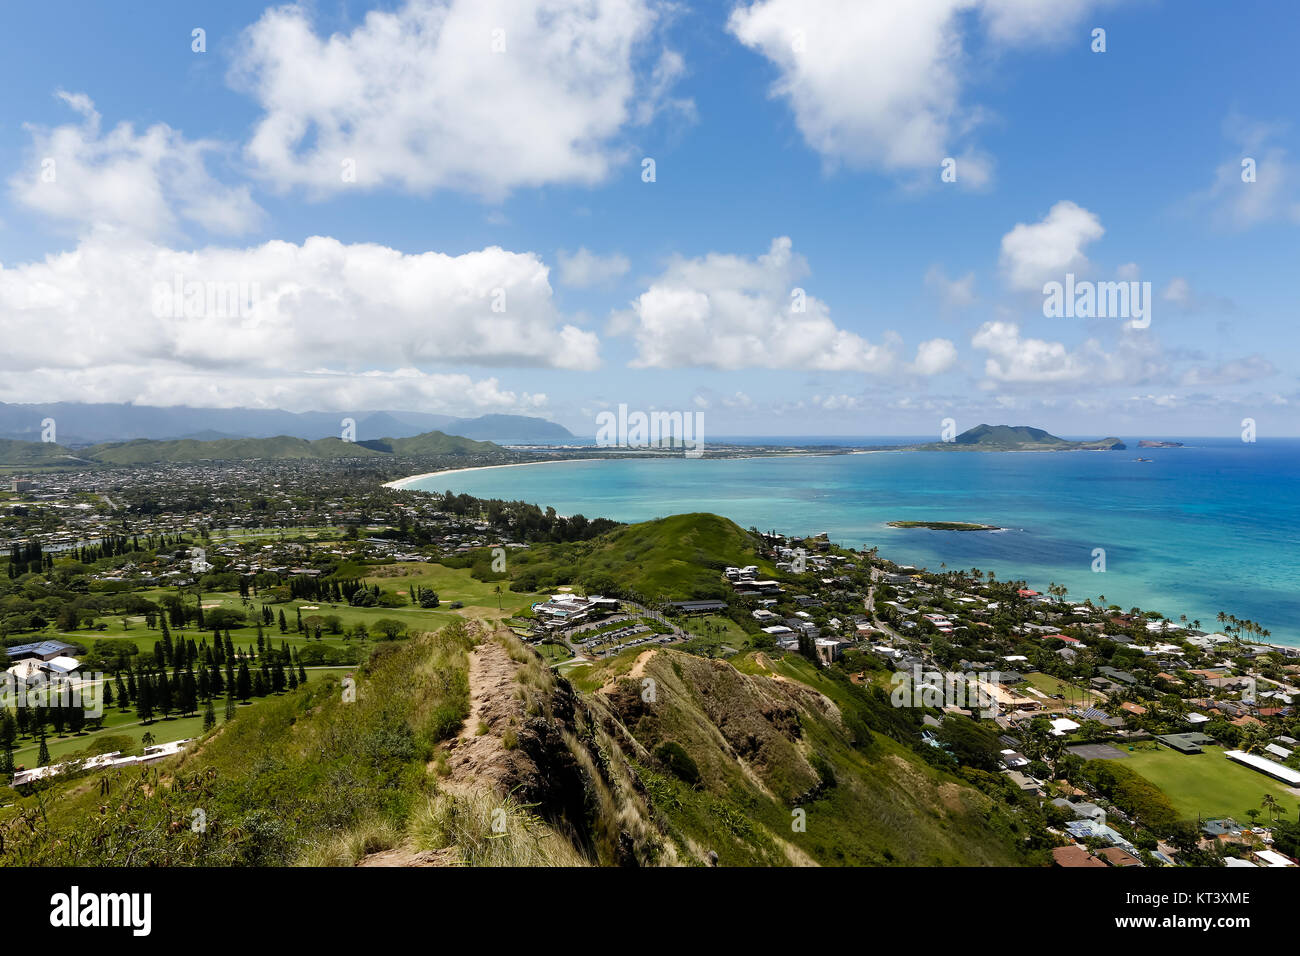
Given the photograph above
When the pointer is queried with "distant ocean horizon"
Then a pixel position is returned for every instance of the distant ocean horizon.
(858, 441)
(1212, 526)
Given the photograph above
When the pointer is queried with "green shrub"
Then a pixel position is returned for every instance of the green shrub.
(673, 756)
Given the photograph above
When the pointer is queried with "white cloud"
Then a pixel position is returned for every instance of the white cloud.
(584, 268)
(1049, 248)
(353, 310)
(902, 62)
(144, 184)
(1235, 204)
(934, 357)
(837, 403)
(1013, 359)
(1020, 21)
(170, 383)
(419, 99)
(726, 311)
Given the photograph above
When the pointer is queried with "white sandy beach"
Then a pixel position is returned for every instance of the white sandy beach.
(401, 483)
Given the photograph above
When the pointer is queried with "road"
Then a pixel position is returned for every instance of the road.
(869, 602)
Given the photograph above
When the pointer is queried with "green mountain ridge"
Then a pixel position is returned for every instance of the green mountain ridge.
(143, 451)
(675, 558)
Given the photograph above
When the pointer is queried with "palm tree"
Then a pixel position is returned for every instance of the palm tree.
(1270, 804)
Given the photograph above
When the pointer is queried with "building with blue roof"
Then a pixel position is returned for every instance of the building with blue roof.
(41, 651)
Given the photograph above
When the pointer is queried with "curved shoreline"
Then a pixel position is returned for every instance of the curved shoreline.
(400, 484)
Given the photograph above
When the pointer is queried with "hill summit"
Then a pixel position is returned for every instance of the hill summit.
(1018, 438)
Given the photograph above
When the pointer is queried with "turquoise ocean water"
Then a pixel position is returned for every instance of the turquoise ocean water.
(1213, 526)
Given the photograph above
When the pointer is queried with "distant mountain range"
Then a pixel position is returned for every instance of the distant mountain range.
(144, 451)
(1018, 438)
(82, 423)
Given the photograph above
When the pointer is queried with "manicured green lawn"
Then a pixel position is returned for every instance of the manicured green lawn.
(552, 652)
(1050, 685)
(452, 584)
(1209, 784)
(716, 630)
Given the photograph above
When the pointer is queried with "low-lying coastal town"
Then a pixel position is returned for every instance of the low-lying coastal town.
(1133, 733)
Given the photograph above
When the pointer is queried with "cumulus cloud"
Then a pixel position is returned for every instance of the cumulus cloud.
(905, 65)
(175, 383)
(727, 311)
(145, 184)
(1035, 252)
(1135, 357)
(481, 95)
(272, 311)
(934, 357)
(1014, 359)
(584, 268)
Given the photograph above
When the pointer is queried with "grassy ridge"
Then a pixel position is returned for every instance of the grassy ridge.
(768, 768)
(143, 451)
(285, 779)
(14, 452)
(678, 558)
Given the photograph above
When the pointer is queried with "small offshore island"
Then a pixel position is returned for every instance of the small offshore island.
(1017, 438)
(945, 525)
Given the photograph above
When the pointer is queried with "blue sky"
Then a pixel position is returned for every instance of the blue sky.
(797, 145)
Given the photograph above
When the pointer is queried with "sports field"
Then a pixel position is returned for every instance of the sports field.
(1210, 785)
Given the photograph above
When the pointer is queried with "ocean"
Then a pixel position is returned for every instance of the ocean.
(1212, 526)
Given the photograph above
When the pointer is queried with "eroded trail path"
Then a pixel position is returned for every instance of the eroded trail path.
(479, 757)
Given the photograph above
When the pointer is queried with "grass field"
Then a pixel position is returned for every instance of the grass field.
(552, 652)
(717, 631)
(1050, 685)
(480, 600)
(1209, 784)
